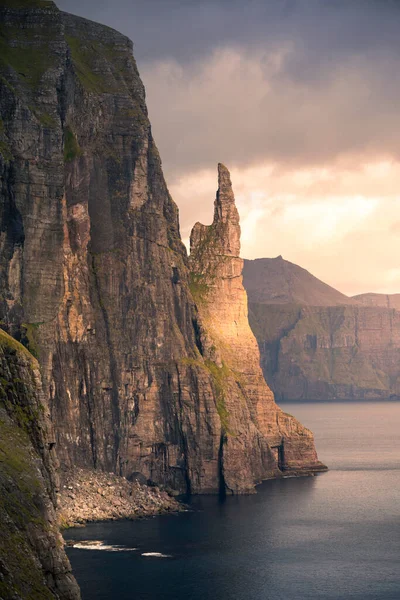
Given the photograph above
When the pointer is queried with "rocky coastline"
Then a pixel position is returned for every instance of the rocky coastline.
(88, 496)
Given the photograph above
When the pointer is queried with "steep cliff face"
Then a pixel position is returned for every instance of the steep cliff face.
(380, 300)
(33, 565)
(255, 431)
(93, 273)
(318, 348)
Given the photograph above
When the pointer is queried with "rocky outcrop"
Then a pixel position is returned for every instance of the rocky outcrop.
(258, 439)
(33, 565)
(314, 346)
(87, 495)
(93, 273)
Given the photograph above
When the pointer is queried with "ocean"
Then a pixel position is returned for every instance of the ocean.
(330, 537)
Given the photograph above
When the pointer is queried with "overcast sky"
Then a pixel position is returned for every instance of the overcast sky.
(300, 100)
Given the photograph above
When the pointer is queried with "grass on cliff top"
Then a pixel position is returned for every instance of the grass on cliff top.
(93, 62)
(26, 52)
(83, 57)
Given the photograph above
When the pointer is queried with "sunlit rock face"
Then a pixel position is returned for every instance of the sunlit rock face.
(95, 279)
(251, 419)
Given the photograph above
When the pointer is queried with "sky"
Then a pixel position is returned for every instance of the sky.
(299, 99)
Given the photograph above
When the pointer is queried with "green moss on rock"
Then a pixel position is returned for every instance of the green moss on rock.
(220, 376)
(6, 341)
(82, 57)
(72, 149)
(199, 287)
(27, 52)
(96, 65)
(20, 511)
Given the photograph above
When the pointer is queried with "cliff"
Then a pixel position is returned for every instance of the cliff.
(278, 281)
(322, 347)
(380, 300)
(33, 565)
(258, 439)
(94, 277)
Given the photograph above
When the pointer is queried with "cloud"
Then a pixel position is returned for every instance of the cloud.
(292, 81)
(299, 99)
(242, 107)
(336, 222)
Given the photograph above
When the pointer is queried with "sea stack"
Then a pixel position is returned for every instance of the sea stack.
(252, 418)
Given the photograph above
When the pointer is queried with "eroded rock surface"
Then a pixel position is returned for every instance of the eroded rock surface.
(33, 565)
(94, 276)
(258, 439)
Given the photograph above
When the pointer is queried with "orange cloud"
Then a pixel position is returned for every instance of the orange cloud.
(336, 222)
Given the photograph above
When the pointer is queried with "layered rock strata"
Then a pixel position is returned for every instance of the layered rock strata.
(278, 281)
(252, 424)
(33, 565)
(378, 300)
(93, 273)
(318, 344)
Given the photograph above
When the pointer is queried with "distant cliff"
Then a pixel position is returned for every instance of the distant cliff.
(94, 277)
(33, 565)
(318, 344)
(380, 300)
(278, 281)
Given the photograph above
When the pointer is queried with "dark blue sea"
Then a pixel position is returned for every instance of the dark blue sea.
(335, 536)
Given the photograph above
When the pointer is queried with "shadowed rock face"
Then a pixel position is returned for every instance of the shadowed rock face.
(93, 273)
(317, 344)
(33, 564)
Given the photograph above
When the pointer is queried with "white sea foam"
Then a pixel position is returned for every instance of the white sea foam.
(156, 555)
(97, 545)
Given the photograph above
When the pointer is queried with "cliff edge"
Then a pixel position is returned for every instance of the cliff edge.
(33, 564)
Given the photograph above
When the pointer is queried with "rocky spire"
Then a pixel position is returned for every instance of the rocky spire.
(250, 419)
(223, 236)
(226, 216)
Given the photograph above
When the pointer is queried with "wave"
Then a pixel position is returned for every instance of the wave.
(156, 554)
(98, 545)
